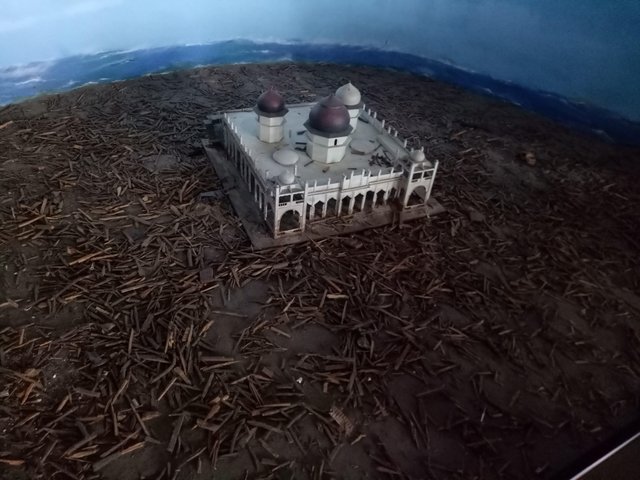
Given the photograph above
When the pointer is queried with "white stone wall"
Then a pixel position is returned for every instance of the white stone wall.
(355, 193)
(270, 129)
(299, 204)
(351, 194)
(354, 113)
(327, 150)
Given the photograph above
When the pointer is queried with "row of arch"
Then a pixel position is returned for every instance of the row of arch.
(362, 202)
(349, 204)
(242, 163)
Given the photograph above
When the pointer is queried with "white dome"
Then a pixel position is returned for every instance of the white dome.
(418, 156)
(287, 177)
(349, 95)
(286, 156)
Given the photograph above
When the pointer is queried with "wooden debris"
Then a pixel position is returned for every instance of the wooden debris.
(342, 420)
(426, 328)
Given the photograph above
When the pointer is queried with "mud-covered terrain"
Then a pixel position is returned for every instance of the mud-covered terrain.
(142, 337)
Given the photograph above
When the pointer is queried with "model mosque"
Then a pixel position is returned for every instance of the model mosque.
(302, 166)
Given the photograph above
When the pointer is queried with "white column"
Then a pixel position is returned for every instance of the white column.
(276, 211)
(303, 214)
(433, 179)
(409, 187)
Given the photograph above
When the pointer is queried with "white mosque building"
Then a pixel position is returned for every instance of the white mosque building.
(304, 165)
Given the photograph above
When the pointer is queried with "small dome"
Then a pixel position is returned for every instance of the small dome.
(329, 116)
(271, 102)
(418, 156)
(287, 177)
(349, 95)
(286, 156)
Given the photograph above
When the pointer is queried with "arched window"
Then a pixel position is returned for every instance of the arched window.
(345, 205)
(290, 220)
(368, 200)
(331, 207)
(393, 193)
(418, 196)
(357, 206)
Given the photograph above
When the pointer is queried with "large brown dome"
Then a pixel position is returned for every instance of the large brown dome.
(329, 116)
(271, 103)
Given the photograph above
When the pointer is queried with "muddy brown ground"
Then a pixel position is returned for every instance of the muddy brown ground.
(498, 340)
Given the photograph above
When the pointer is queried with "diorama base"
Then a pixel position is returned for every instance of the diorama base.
(262, 238)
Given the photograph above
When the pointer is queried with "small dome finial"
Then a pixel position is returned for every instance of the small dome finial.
(418, 156)
(287, 177)
(349, 95)
(271, 102)
(329, 116)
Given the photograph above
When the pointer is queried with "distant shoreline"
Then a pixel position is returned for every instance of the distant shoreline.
(19, 83)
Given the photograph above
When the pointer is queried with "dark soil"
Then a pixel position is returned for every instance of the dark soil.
(498, 340)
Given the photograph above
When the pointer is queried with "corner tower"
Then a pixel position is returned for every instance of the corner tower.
(328, 129)
(350, 96)
(271, 110)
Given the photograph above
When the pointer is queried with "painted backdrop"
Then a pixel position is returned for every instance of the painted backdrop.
(582, 50)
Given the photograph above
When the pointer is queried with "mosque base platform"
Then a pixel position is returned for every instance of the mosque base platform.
(262, 238)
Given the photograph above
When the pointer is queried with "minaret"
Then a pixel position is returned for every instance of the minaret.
(350, 96)
(271, 111)
(328, 130)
